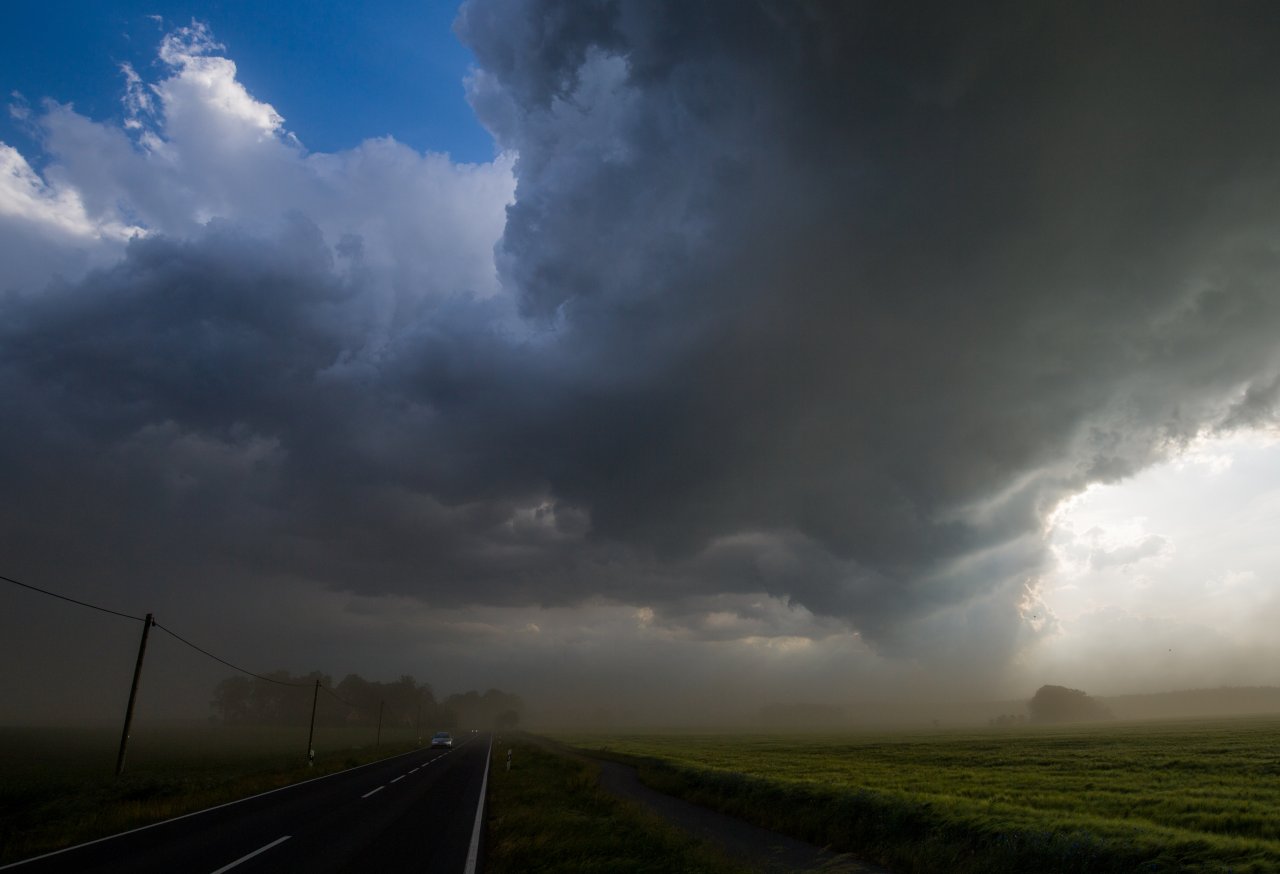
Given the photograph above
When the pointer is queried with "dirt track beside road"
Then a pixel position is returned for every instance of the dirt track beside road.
(768, 851)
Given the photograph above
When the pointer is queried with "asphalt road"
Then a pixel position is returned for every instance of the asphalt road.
(414, 812)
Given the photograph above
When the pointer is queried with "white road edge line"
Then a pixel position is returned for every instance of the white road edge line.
(256, 852)
(473, 854)
(373, 792)
(143, 828)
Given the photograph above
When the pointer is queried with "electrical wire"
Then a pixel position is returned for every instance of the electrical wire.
(72, 600)
(309, 685)
(343, 700)
(182, 639)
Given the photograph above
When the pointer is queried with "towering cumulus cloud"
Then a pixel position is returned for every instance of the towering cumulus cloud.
(763, 306)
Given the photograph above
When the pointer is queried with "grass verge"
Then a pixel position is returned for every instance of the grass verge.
(548, 814)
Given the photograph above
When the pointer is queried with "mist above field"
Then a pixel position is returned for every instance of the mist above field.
(752, 369)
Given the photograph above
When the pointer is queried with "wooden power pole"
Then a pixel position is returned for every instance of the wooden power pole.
(311, 735)
(133, 694)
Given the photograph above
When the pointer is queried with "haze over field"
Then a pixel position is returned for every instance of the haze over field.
(758, 353)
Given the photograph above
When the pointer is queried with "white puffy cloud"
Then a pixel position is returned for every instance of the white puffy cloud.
(197, 147)
(46, 229)
(202, 101)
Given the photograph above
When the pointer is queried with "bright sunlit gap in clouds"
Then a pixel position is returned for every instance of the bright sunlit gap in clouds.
(1168, 579)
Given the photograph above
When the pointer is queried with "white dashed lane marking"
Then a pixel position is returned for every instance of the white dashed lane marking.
(248, 856)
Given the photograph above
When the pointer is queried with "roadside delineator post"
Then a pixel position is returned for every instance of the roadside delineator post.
(133, 694)
(311, 735)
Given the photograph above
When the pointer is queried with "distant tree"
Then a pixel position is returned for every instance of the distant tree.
(1056, 704)
(481, 711)
(438, 717)
(279, 698)
(231, 700)
(362, 699)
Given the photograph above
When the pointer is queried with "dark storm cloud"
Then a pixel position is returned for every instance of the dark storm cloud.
(897, 278)
(828, 301)
(217, 400)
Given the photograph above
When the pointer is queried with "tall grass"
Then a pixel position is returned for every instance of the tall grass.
(1138, 797)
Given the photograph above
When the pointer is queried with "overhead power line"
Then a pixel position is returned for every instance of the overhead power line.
(203, 651)
(180, 639)
(72, 600)
(149, 622)
(340, 698)
(167, 631)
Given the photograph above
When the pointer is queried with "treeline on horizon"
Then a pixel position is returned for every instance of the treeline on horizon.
(1057, 704)
(281, 698)
(1053, 704)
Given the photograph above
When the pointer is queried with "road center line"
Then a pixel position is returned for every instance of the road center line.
(415, 770)
(256, 852)
(366, 795)
(398, 779)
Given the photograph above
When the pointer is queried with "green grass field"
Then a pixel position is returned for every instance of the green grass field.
(57, 786)
(548, 814)
(1123, 797)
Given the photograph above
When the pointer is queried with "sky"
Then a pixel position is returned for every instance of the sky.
(660, 360)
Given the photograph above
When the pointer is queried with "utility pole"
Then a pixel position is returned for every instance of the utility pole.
(133, 694)
(377, 743)
(311, 735)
